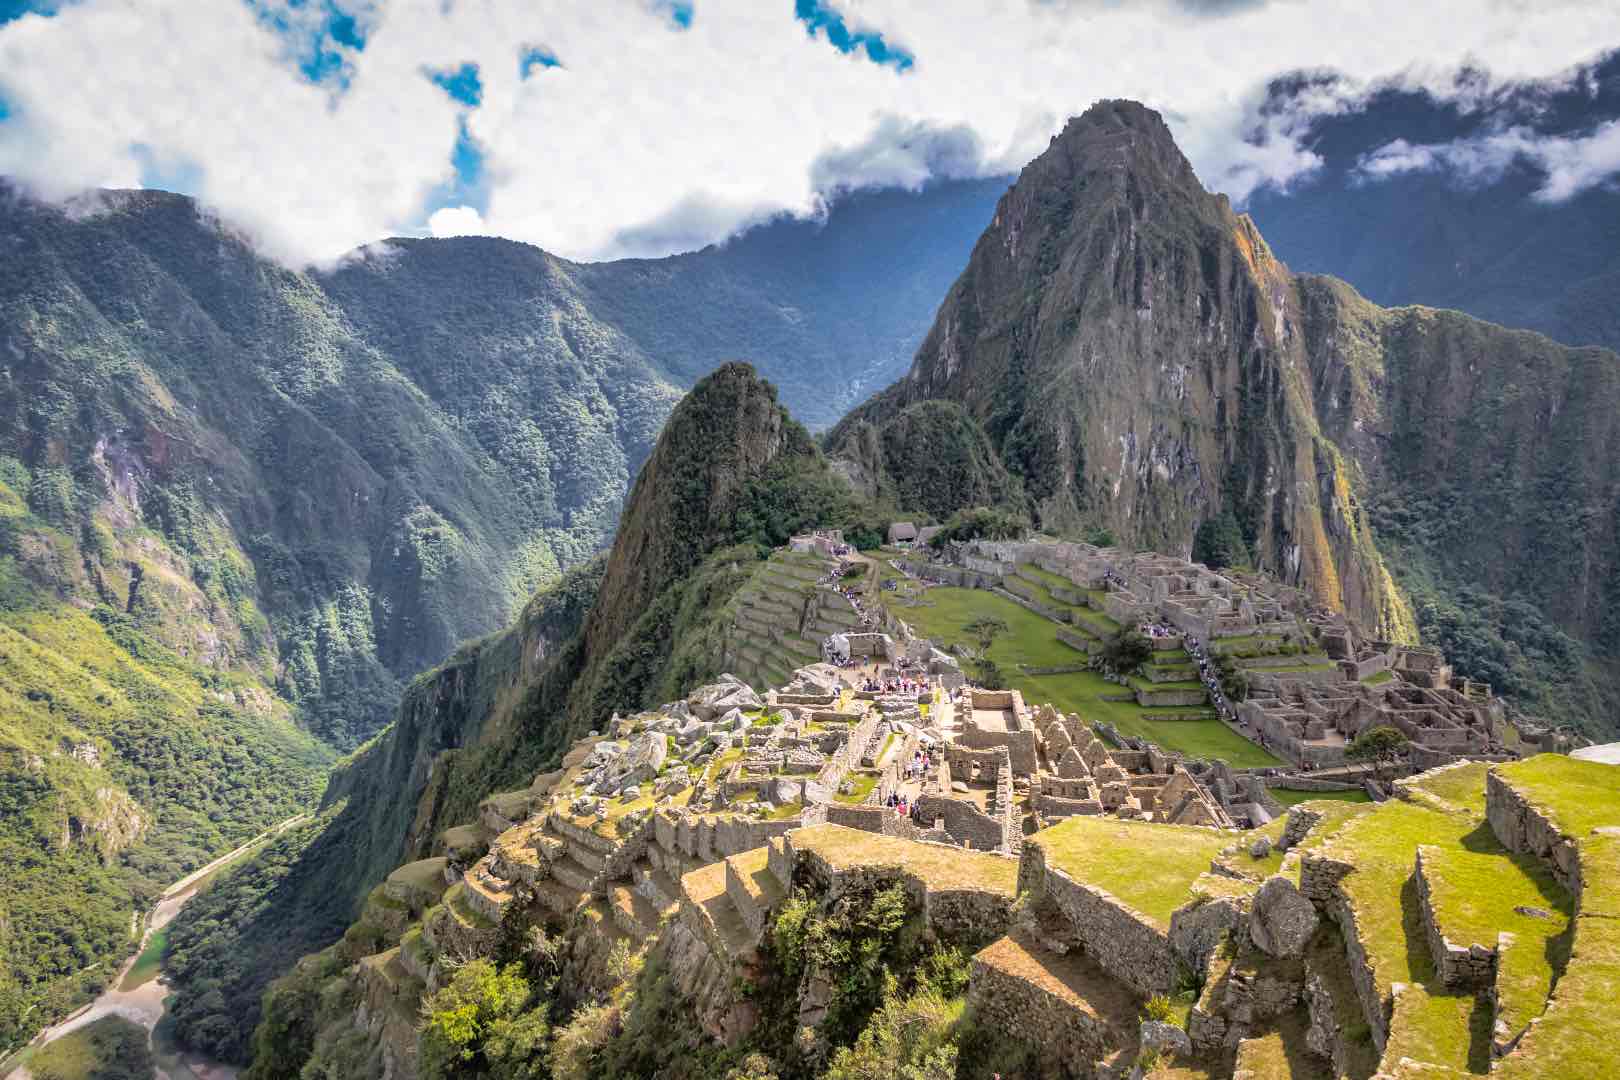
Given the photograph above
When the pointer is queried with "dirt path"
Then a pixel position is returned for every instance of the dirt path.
(144, 1005)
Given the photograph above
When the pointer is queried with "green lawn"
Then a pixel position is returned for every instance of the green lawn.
(1483, 886)
(1046, 577)
(862, 783)
(1378, 678)
(1082, 691)
(1150, 867)
(1294, 798)
(149, 963)
(945, 612)
(1575, 1037)
(1032, 640)
(1463, 786)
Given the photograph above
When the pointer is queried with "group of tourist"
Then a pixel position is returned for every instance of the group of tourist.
(898, 804)
(898, 684)
(1206, 673)
(921, 764)
(1158, 630)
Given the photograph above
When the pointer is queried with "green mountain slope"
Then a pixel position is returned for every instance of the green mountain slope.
(1140, 361)
(301, 489)
(732, 475)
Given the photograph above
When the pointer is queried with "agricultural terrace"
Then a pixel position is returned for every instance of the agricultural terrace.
(1148, 866)
(943, 614)
(1478, 889)
(1582, 800)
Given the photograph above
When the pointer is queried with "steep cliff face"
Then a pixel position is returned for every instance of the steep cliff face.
(1140, 360)
(1130, 346)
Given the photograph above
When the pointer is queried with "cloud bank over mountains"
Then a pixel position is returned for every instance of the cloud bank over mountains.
(643, 127)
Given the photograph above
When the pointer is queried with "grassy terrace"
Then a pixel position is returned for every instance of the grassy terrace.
(936, 866)
(1294, 798)
(1484, 884)
(1032, 640)
(1047, 578)
(862, 783)
(1575, 1037)
(1150, 867)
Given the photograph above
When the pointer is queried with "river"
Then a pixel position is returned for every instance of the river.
(145, 1004)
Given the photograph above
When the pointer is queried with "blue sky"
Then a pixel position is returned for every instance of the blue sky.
(626, 126)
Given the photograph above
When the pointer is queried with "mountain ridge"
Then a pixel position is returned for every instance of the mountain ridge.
(1141, 360)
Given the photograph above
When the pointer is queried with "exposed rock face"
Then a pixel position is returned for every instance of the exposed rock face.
(1281, 921)
(1136, 355)
(1132, 350)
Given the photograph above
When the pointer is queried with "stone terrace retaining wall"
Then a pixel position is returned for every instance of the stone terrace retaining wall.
(1461, 967)
(872, 819)
(1522, 828)
(956, 915)
(1122, 941)
(1019, 1009)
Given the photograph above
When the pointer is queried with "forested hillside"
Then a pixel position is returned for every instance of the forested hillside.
(265, 499)
(733, 475)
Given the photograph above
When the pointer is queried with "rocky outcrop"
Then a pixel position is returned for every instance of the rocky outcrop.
(1282, 921)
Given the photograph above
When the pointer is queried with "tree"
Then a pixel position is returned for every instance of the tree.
(1101, 536)
(1125, 651)
(484, 1023)
(1382, 747)
(986, 629)
(1234, 681)
(1219, 543)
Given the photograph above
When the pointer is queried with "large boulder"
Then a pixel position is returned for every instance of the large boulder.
(1281, 920)
(1167, 1039)
(780, 792)
(716, 699)
(645, 757)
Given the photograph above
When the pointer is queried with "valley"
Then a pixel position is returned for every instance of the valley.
(1128, 688)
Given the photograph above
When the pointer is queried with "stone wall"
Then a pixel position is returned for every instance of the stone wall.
(1068, 1040)
(873, 819)
(964, 822)
(1523, 828)
(956, 915)
(1168, 699)
(1122, 941)
(1020, 746)
(848, 755)
(1460, 967)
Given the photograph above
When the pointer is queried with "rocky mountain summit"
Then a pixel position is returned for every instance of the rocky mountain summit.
(1138, 359)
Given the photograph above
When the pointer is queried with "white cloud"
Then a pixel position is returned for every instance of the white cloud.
(1569, 164)
(648, 138)
(457, 221)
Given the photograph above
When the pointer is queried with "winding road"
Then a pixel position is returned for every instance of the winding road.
(144, 1005)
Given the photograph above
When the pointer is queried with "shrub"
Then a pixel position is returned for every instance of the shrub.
(1161, 1008)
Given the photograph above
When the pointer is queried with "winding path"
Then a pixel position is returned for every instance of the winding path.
(144, 1005)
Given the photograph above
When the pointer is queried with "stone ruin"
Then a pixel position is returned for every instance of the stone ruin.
(1082, 775)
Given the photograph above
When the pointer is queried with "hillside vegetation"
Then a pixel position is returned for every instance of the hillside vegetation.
(278, 496)
(731, 477)
(1131, 351)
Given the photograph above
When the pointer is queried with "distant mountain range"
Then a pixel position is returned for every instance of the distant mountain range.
(1442, 236)
(241, 506)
